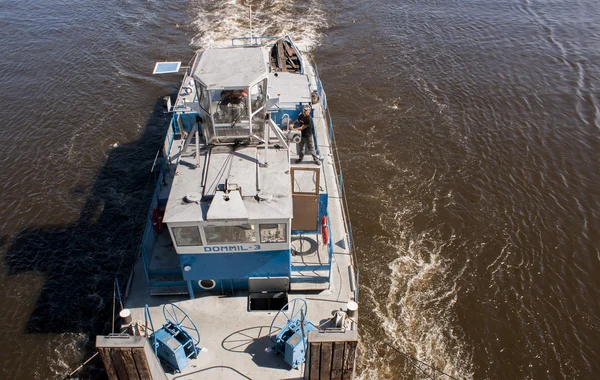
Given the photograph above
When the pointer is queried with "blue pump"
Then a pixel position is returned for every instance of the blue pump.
(289, 331)
(177, 340)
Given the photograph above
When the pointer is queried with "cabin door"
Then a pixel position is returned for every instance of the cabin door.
(305, 198)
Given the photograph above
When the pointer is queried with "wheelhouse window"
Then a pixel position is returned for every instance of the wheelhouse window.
(258, 97)
(273, 233)
(230, 106)
(203, 97)
(230, 234)
(187, 236)
(258, 100)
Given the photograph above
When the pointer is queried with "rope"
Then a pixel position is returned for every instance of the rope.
(81, 366)
(345, 211)
(137, 323)
(397, 350)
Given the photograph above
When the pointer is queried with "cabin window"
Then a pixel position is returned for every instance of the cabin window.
(230, 234)
(258, 97)
(273, 233)
(203, 98)
(187, 236)
(231, 107)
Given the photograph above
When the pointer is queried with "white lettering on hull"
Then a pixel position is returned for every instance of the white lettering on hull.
(232, 248)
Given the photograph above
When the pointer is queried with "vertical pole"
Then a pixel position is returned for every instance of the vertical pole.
(113, 306)
(190, 289)
(267, 138)
(357, 286)
(197, 147)
(250, 16)
(144, 259)
(119, 292)
(330, 132)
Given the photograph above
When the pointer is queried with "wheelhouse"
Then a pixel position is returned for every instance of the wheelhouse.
(232, 92)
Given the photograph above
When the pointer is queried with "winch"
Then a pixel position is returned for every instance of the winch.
(289, 331)
(177, 340)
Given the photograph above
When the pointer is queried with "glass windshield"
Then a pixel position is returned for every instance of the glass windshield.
(273, 233)
(232, 106)
(187, 236)
(230, 234)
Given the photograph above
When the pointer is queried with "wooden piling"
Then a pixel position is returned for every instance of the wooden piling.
(331, 355)
(127, 357)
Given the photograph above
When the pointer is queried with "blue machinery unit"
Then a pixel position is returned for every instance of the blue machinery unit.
(289, 331)
(177, 340)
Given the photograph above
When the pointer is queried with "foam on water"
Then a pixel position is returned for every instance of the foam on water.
(69, 345)
(417, 314)
(217, 22)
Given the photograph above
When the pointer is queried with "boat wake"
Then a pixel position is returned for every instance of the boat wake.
(410, 287)
(217, 21)
(416, 315)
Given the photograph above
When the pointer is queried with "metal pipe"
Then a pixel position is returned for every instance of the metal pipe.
(113, 306)
(250, 15)
(268, 135)
(257, 173)
(197, 147)
(119, 292)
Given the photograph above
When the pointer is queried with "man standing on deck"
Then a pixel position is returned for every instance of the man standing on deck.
(307, 128)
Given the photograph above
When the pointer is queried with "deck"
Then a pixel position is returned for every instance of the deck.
(234, 341)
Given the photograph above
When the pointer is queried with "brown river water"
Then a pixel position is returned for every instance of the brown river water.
(469, 137)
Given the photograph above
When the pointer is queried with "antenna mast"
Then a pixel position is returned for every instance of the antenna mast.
(250, 16)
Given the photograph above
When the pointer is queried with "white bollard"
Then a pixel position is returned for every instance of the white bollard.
(352, 310)
(125, 315)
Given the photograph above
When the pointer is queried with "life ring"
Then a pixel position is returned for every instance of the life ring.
(314, 97)
(157, 219)
(324, 230)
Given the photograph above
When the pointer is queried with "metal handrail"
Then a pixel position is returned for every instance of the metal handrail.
(147, 318)
(119, 292)
(339, 180)
(256, 38)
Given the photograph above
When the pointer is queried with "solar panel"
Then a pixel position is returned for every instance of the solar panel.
(166, 67)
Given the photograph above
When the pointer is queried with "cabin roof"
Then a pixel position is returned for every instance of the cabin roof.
(290, 88)
(231, 67)
(264, 192)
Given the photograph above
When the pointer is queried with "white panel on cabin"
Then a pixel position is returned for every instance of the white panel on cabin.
(290, 88)
(305, 181)
(227, 206)
(218, 168)
(243, 170)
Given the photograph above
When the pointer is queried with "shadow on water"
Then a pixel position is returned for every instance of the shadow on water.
(80, 261)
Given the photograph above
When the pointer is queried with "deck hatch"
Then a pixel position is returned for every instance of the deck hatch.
(267, 293)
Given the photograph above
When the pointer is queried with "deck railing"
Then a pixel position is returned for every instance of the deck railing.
(253, 40)
(149, 236)
(339, 178)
